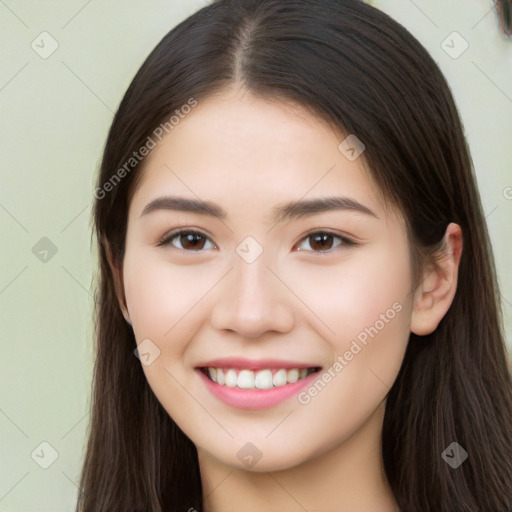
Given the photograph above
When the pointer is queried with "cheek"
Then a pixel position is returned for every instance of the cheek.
(368, 289)
(164, 302)
(367, 305)
(161, 297)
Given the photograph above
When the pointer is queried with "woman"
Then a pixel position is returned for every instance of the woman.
(292, 244)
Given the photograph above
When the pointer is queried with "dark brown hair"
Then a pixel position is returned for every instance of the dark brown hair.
(355, 67)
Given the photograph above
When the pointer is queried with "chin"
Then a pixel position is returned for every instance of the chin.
(270, 458)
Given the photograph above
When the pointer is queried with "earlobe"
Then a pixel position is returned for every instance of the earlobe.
(117, 275)
(434, 295)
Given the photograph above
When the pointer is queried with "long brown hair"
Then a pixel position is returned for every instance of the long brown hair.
(358, 69)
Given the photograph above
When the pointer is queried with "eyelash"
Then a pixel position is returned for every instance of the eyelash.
(166, 240)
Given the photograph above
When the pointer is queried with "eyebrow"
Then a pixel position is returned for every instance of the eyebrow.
(286, 211)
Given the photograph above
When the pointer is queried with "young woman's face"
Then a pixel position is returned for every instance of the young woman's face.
(295, 265)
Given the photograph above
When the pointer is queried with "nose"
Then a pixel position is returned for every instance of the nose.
(251, 301)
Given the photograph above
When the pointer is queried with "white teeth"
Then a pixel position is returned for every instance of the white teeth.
(246, 379)
(292, 375)
(231, 378)
(213, 374)
(261, 379)
(279, 378)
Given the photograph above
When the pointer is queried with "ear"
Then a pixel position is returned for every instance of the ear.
(117, 274)
(434, 295)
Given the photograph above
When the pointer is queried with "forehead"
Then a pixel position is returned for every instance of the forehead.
(238, 148)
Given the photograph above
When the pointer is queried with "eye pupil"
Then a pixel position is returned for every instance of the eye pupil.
(192, 240)
(321, 241)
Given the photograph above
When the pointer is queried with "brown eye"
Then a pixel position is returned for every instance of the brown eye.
(187, 241)
(323, 241)
(191, 241)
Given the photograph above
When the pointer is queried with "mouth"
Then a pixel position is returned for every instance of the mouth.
(262, 379)
(255, 385)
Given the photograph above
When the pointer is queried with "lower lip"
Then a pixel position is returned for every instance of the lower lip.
(255, 398)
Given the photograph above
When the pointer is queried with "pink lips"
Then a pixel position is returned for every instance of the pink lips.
(254, 398)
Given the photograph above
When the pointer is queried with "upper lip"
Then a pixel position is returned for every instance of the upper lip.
(253, 364)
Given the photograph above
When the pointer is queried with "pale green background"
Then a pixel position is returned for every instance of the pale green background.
(55, 117)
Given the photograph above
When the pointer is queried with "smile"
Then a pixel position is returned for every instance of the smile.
(262, 379)
(246, 385)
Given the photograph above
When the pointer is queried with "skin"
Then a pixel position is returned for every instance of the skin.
(296, 301)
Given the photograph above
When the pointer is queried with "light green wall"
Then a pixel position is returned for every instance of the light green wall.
(55, 115)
